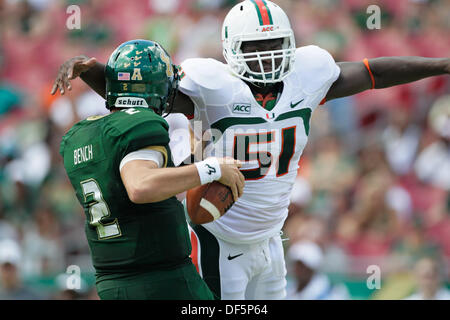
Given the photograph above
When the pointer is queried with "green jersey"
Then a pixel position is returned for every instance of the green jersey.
(123, 237)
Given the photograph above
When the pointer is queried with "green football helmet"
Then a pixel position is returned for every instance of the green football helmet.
(140, 73)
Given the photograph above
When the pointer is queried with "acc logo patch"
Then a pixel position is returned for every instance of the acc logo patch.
(267, 29)
(242, 108)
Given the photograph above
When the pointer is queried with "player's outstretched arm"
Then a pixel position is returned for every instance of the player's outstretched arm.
(384, 72)
(88, 69)
(92, 73)
(146, 183)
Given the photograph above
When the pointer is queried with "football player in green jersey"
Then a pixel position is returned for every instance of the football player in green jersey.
(121, 169)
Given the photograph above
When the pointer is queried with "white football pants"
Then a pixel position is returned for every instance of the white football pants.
(239, 271)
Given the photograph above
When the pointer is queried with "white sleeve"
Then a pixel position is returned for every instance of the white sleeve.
(190, 86)
(201, 79)
(143, 154)
(316, 71)
(188, 83)
(180, 137)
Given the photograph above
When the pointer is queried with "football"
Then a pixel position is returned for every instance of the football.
(208, 202)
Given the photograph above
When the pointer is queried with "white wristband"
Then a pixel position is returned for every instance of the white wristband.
(208, 170)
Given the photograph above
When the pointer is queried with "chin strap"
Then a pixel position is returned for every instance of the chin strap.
(171, 103)
(174, 92)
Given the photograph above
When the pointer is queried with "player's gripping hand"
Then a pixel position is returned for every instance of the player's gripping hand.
(70, 70)
(231, 176)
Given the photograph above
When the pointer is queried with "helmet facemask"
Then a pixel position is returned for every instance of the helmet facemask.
(265, 66)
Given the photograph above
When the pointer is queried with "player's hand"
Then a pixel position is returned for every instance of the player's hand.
(231, 176)
(70, 70)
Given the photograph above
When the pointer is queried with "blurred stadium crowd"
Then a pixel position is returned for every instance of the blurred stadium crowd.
(374, 179)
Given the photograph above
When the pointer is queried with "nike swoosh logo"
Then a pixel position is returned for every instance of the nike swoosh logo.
(294, 105)
(233, 257)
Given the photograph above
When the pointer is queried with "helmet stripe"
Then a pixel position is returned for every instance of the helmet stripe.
(268, 12)
(264, 15)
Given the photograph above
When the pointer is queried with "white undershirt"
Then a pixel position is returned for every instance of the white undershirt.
(143, 154)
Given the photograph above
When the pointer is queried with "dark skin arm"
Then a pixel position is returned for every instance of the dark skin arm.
(92, 73)
(84, 67)
(387, 72)
(95, 78)
(354, 77)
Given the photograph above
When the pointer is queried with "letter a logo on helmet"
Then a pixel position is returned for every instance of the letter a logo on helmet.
(253, 20)
(136, 74)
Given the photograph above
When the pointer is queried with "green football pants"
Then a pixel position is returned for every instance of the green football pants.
(183, 283)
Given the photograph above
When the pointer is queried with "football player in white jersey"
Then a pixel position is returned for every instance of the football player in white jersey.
(258, 106)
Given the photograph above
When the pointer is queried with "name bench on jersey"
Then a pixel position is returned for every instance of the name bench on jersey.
(83, 154)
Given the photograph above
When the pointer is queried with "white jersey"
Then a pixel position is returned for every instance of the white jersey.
(180, 138)
(268, 142)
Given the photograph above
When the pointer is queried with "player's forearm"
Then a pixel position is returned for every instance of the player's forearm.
(163, 183)
(391, 71)
(95, 78)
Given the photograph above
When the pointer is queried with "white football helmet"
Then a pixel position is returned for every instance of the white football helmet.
(253, 20)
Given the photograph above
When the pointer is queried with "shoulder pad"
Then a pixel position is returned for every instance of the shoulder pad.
(126, 119)
(314, 68)
(207, 74)
(137, 128)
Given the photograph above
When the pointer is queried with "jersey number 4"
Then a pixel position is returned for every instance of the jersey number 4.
(241, 149)
(98, 209)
